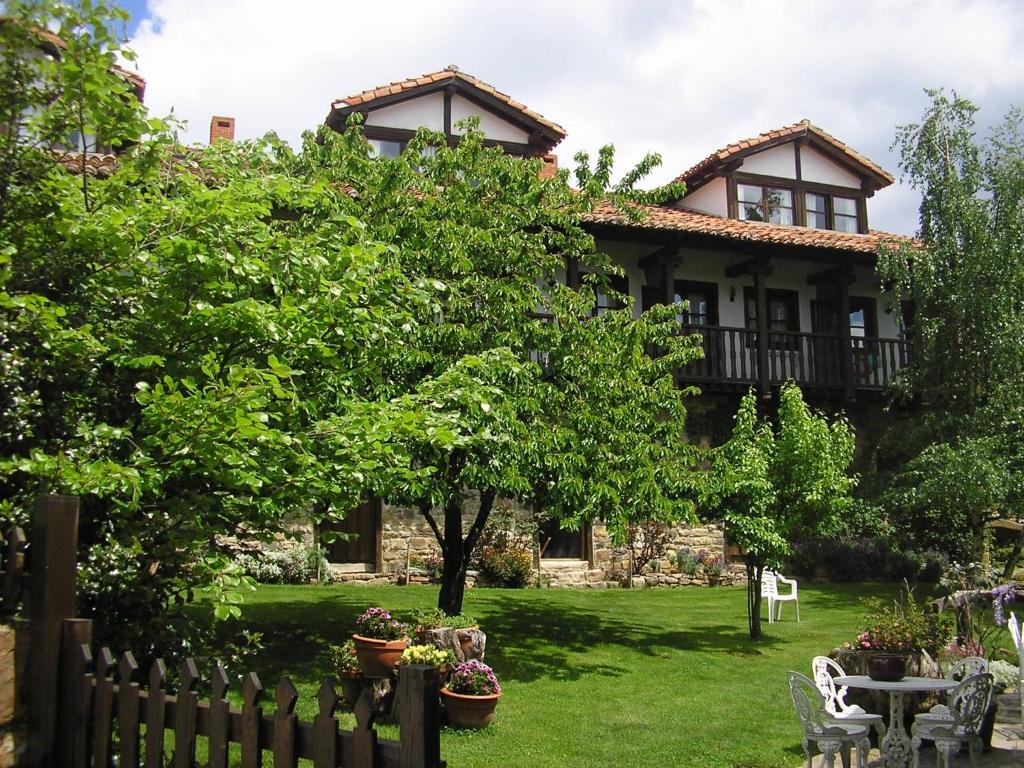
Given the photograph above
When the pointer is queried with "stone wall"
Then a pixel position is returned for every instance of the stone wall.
(14, 644)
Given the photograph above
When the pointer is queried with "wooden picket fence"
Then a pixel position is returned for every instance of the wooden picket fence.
(92, 711)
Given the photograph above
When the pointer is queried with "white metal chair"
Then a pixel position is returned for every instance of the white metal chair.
(825, 670)
(770, 581)
(1018, 642)
(971, 665)
(830, 735)
(957, 721)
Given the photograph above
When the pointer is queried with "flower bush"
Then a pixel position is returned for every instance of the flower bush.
(506, 567)
(473, 678)
(436, 619)
(343, 658)
(1004, 675)
(904, 627)
(427, 654)
(380, 625)
(687, 562)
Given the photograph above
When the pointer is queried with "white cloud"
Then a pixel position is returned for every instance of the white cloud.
(679, 78)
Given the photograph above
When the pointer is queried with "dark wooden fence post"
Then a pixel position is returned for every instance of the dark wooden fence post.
(54, 543)
(419, 717)
(70, 732)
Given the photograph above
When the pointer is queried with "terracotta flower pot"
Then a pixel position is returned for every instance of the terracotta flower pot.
(469, 711)
(378, 658)
(887, 667)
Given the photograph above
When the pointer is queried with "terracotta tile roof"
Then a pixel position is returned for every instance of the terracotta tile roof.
(803, 128)
(666, 219)
(95, 165)
(451, 73)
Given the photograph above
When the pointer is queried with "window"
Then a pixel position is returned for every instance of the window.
(783, 309)
(771, 204)
(831, 212)
(703, 299)
(382, 148)
(863, 318)
(604, 298)
(844, 212)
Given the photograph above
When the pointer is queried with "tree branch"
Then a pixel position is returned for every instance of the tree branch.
(425, 511)
(486, 505)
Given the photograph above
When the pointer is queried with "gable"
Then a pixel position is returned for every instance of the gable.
(493, 126)
(778, 161)
(816, 167)
(425, 111)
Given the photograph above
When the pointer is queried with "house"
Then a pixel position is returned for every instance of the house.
(770, 245)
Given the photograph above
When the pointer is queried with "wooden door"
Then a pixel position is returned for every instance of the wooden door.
(558, 544)
(364, 525)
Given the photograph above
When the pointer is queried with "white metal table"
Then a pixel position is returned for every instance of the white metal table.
(895, 747)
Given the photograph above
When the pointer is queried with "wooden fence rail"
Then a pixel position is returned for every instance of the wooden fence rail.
(93, 711)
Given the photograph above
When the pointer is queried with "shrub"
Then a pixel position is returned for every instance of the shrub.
(430, 565)
(648, 540)
(906, 625)
(686, 562)
(343, 658)
(303, 565)
(1004, 674)
(473, 678)
(379, 624)
(436, 619)
(506, 568)
(847, 559)
(259, 566)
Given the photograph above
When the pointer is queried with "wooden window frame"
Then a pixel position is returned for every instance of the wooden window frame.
(870, 306)
(793, 319)
(799, 189)
(682, 287)
(765, 187)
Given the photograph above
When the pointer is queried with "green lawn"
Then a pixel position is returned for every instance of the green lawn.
(596, 678)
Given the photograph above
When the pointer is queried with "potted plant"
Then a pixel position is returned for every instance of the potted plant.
(443, 660)
(471, 695)
(346, 667)
(379, 642)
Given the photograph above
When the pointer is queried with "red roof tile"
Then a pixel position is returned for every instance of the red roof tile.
(663, 218)
(803, 128)
(365, 97)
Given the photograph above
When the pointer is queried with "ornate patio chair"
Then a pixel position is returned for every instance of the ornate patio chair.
(958, 720)
(770, 581)
(830, 735)
(825, 670)
(1018, 642)
(971, 665)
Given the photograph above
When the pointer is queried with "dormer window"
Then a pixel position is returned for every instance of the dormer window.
(831, 212)
(763, 203)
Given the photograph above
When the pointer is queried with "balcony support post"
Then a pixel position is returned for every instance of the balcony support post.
(846, 359)
(761, 294)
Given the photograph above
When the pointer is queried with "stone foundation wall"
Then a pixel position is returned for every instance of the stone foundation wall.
(405, 534)
(14, 642)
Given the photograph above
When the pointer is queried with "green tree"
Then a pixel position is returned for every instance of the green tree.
(773, 485)
(558, 408)
(959, 291)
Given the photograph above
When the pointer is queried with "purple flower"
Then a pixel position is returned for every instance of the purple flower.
(1002, 596)
(473, 678)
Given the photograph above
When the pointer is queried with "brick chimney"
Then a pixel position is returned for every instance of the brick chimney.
(222, 128)
(550, 167)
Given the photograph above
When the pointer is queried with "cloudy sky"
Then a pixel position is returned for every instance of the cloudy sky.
(677, 77)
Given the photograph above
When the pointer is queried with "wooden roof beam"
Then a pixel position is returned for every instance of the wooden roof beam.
(756, 266)
(836, 274)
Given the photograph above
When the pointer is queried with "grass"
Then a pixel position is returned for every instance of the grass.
(595, 678)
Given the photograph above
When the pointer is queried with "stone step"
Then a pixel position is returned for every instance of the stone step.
(560, 564)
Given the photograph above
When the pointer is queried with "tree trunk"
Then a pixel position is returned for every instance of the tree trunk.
(1014, 558)
(458, 552)
(754, 571)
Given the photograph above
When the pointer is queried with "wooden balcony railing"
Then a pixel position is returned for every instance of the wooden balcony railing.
(810, 359)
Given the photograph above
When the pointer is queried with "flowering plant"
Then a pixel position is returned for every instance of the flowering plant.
(343, 658)
(904, 627)
(1004, 674)
(474, 678)
(379, 624)
(427, 654)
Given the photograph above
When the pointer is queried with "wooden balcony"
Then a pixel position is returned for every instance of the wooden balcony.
(812, 360)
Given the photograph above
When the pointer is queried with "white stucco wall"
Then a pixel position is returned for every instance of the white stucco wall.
(777, 161)
(493, 126)
(814, 166)
(711, 198)
(424, 112)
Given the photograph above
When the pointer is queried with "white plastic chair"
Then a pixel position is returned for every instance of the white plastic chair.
(830, 736)
(770, 581)
(1018, 642)
(949, 725)
(825, 670)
